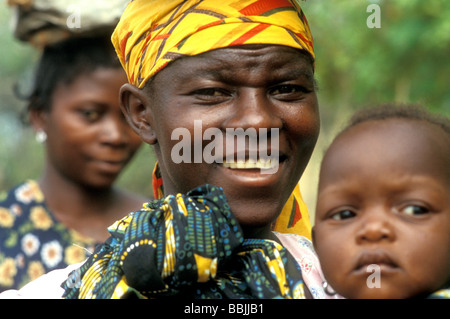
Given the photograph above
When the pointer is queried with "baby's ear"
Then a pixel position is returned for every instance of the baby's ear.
(136, 109)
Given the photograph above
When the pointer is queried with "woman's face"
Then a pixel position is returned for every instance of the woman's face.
(220, 92)
(88, 139)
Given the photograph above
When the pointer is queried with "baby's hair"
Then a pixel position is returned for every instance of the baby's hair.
(400, 111)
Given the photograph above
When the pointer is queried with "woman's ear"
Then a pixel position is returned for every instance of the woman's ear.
(38, 119)
(136, 109)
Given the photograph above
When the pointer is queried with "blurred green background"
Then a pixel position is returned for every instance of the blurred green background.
(405, 60)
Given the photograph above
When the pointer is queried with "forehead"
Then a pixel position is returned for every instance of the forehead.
(228, 63)
(102, 85)
(393, 144)
(94, 78)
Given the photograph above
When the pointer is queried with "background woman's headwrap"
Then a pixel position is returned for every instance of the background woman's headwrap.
(151, 34)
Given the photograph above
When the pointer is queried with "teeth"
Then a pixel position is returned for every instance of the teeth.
(240, 164)
(251, 164)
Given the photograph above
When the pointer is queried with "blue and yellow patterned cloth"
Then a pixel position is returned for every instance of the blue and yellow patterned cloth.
(186, 245)
(32, 241)
(441, 294)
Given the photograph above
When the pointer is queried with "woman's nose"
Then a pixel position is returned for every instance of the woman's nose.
(115, 131)
(253, 109)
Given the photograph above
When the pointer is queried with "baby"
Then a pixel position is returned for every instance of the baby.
(382, 227)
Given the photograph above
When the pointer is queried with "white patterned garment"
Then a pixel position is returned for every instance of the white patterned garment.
(301, 248)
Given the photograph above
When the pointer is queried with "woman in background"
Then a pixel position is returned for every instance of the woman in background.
(74, 108)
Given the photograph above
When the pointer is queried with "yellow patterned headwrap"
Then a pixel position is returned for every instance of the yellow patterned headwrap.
(152, 33)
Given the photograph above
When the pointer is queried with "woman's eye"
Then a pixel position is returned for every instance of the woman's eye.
(285, 89)
(90, 115)
(210, 96)
(343, 214)
(288, 92)
(414, 210)
(210, 92)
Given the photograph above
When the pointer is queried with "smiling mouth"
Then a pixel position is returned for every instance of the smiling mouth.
(252, 164)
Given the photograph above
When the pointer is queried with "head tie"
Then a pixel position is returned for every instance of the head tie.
(151, 34)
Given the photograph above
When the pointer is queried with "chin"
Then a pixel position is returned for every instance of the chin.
(256, 220)
(377, 293)
(100, 183)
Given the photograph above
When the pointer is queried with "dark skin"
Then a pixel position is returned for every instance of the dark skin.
(88, 145)
(391, 210)
(252, 86)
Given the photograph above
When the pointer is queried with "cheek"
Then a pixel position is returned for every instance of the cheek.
(428, 260)
(304, 126)
(64, 135)
(179, 140)
(66, 150)
(182, 173)
(332, 250)
(309, 126)
(70, 140)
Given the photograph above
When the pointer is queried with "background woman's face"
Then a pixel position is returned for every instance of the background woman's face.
(89, 140)
(247, 87)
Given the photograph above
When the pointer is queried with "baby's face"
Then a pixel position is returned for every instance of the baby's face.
(382, 226)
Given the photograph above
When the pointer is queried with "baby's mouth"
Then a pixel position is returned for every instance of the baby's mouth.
(379, 258)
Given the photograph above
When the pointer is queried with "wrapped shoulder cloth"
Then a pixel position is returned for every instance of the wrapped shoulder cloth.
(188, 246)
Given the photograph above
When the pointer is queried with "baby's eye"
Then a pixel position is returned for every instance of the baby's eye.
(414, 210)
(343, 214)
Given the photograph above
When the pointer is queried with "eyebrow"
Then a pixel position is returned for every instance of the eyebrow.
(279, 75)
(298, 72)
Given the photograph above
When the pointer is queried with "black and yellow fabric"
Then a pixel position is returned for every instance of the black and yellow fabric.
(186, 245)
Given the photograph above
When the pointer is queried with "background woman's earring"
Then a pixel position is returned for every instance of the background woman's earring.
(41, 136)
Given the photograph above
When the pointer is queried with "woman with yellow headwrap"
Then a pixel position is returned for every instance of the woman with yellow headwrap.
(197, 68)
(144, 47)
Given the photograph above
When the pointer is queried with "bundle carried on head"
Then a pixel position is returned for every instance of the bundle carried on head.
(43, 22)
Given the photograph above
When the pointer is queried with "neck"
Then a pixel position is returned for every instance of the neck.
(65, 196)
(259, 233)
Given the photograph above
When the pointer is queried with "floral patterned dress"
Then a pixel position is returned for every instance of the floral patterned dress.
(32, 241)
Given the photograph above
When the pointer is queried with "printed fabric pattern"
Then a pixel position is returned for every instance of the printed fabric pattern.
(186, 245)
(32, 241)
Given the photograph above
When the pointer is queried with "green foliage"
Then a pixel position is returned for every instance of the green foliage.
(406, 60)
